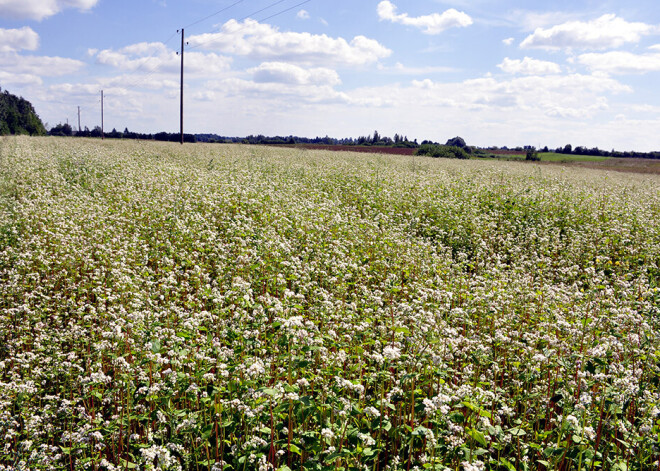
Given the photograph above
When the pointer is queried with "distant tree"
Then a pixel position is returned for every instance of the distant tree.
(447, 152)
(61, 130)
(17, 116)
(376, 137)
(532, 154)
(568, 149)
(457, 142)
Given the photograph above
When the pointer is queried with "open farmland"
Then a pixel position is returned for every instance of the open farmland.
(233, 307)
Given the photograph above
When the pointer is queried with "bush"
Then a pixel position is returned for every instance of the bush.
(445, 152)
(532, 155)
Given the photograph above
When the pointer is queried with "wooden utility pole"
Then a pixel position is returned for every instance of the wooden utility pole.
(182, 44)
(102, 133)
(79, 128)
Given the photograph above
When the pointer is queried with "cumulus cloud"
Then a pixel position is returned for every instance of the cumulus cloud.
(435, 23)
(156, 57)
(281, 72)
(40, 66)
(508, 41)
(266, 42)
(19, 79)
(18, 39)
(619, 62)
(273, 92)
(40, 9)
(529, 66)
(605, 32)
(567, 96)
(303, 15)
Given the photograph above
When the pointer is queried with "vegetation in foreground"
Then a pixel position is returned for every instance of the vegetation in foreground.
(231, 307)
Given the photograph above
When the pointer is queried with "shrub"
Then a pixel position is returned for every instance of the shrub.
(446, 152)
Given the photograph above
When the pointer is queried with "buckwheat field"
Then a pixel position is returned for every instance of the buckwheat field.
(211, 307)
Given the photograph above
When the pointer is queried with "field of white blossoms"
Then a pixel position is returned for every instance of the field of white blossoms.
(210, 307)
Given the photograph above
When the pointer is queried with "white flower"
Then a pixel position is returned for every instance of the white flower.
(391, 353)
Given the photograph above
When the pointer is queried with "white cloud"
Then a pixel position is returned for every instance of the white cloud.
(575, 96)
(18, 39)
(282, 95)
(531, 20)
(303, 15)
(19, 79)
(619, 62)
(529, 66)
(156, 57)
(266, 42)
(435, 23)
(605, 32)
(508, 41)
(40, 9)
(281, 72)
(41, 66)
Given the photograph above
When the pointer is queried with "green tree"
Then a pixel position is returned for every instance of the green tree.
(17, 116)
(457, 142)
(532, 154)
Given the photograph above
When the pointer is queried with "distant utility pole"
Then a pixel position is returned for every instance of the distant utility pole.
(182, 45)
(102, 133)
(79, 129)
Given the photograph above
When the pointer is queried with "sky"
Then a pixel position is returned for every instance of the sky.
(505, 73)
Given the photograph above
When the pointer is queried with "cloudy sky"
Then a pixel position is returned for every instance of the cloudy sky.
(512, 72)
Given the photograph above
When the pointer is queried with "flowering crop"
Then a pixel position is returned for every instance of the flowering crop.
(216, 307)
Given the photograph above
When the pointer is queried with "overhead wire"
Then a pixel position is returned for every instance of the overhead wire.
(213, 14)
(154, 69)
(256, 13)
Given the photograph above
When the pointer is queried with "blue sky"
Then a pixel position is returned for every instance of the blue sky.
(496, 73)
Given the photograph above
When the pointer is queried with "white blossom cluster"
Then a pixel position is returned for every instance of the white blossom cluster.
(236, 307)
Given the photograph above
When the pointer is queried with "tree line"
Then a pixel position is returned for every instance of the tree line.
(595, 151)
(17, 116)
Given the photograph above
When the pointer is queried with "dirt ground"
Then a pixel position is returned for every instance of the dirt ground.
(618, 165)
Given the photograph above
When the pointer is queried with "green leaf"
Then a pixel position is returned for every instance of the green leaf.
(127, 464)
(207, 431)
(295, 449)
(155, 346)
(504, 462)
(478, 437)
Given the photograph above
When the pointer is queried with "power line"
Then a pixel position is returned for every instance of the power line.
(151, 55)
(155, 69)
(213, 14)
(256, 13)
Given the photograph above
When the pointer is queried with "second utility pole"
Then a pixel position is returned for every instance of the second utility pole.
(182, 85)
